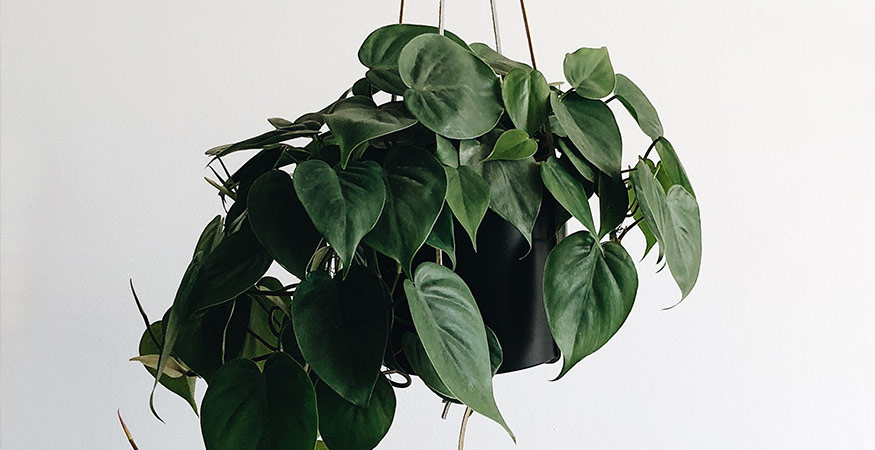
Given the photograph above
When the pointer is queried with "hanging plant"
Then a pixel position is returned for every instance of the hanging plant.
(446, 173)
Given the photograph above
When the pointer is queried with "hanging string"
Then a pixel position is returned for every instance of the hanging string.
(495, 25)
(401, 14)
(528, 33)
(441, 18)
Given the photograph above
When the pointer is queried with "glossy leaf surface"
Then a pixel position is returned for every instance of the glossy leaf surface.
(357, 120)
(588, 294)
(342, 326)
(451, 91)
(526, 97)
(513, 145)
(515, 192)
(501, 64)
(468, 197)
(344, 204)
(590, 72)
(345, 426)
(281, 223)
(591, 126)
(672, 166)
(454, 337)
(566, 185)
(247, 409)
(415, 190)
(638, 106)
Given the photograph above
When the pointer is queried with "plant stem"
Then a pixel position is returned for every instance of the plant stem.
(464, 426)
(626, 230)
(649, 149)
(145, 317)
(612, 98)
(395, 283)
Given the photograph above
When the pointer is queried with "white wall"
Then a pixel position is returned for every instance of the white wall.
(107, 105)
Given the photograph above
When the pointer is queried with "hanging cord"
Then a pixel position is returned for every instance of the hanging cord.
(528, 33)
(495, 25)
(401, 13)
(441, 17)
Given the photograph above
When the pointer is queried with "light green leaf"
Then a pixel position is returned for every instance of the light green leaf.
(247, 409)
(280, 222)
(672, 166)
(468, 197)
(513, 145)
(442, 236)
(454, 336)
(674, 220)
(451, 91)
(526, 97)
(566, 185)
(638, 106)
(501, 64)
(381, 49)
(345, 426)
(638, 216)
(590, 72)
(588, 294)
(344, 204)
(181, 385)
(591, 126)
(357, 120)
(415, 190)
(342, 327)
(445, 152)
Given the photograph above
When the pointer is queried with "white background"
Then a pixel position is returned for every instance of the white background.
(107, 106)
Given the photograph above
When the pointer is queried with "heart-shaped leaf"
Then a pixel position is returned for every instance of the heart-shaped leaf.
(567, 187)
(449, 324)
(515, 192)
(468, 197)
(345, 426)
(674, 221)
(638, 106)
(671, 165)
(280, 222)
(446, 152)
(357, 120)
(591, 126)
(247, 409)
(513, 145)
(182, 386)
(526, 96)
(415, 189)
(501, 64)
(590, 72)
(442, 236)
(342, 327)
(588, 294)
(344, 204)
(381, 49)
(451, 91)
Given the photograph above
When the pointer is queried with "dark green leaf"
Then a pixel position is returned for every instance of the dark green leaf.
(357, 120)
(247, 409)
(210, 237)
(280, 222)
(381, 49)
(445, 152)
(342, 327)
(613, 203)
(454, 336)
(584, 167)
(345, 426)
(513, 145)
(592, 128)
(501, 64)
(468, 197)
(638, 106)
(526, 97)
(263, 140)
(452, 92)
(363, 88)
(182, 386)
(674, 220)
(588, 294)
(472, 154)
(415, 190)
(567, 187)
(234, 266)
(515, 192)
(209, 338)
(590, 72)
(672, 166)
(343, 204)
(442, 236)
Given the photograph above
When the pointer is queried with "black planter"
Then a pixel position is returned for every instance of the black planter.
(506, 280)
